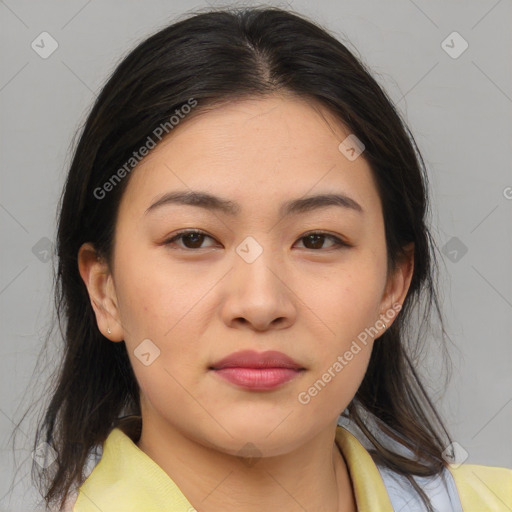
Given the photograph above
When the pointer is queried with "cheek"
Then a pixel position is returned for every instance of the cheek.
(344, 303)
(342, 353)
(347, 309)
(330, 389)
(168, 308)
(164, 391)
(154, 299)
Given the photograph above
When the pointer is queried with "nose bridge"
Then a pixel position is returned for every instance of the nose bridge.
(257, 293)
(257, 262)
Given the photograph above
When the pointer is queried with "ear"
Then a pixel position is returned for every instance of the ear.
(98, 279)
(397, 286)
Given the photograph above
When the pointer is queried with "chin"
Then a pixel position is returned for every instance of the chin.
(256, 438)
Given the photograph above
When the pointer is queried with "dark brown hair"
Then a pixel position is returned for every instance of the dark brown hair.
(212, 57)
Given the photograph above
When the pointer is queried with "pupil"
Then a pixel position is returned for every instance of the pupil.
(189, 237)
(315, 239)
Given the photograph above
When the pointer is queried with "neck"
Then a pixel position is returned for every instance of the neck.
(313, 477)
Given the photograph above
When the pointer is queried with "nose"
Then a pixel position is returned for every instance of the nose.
(257, 294)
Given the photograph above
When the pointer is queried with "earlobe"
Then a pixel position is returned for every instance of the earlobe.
(98, 280)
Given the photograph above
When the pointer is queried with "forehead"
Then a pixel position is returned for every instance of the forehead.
(259, 152)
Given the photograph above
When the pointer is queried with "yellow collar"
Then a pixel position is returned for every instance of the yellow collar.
(369, 489)
(126, 479)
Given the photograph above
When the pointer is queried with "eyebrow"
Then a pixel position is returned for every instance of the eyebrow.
(295, 206)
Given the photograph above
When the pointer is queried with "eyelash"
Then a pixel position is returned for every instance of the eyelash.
(339, 244)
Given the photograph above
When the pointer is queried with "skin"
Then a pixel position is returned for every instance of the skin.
(308, 301)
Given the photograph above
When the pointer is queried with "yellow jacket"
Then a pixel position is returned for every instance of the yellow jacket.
(127, 480)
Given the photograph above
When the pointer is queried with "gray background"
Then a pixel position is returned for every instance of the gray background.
(459, 110)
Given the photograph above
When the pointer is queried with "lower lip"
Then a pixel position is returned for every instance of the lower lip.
(258, 378)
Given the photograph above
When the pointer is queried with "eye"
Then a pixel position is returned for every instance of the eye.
(317, 238)
(193, 239)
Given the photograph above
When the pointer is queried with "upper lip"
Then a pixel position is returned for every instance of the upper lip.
(252, 359)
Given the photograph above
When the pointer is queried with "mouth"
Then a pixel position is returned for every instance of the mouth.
(257, 371)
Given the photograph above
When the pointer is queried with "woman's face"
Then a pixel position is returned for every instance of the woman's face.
(261, 277)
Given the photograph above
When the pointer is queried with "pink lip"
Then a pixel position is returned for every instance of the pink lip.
(257, 371)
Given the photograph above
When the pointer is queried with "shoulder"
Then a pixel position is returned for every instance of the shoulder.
(440, 489)
(465, 488)
(458, 488)
(126, 480)
(483, 486)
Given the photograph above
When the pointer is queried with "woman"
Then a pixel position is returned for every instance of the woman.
(242, 242)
